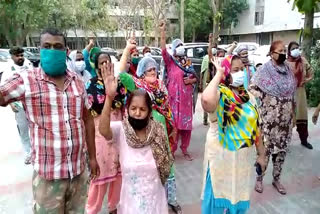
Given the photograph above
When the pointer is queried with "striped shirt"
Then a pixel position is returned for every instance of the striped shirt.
(57, 129)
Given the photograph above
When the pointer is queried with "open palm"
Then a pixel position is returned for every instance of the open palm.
(110, 81)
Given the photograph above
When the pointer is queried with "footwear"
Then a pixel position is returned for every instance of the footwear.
(27, 159)
(279, 187)
(307, 145)
(188, 157)
(176, 209)
(259, 185)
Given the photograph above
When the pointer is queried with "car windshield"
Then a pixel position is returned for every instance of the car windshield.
(5, 54)
(263, 50)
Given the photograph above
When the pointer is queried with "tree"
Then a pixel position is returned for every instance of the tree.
(18, 18)
(198, 19)
(157, 9)
(307, 7)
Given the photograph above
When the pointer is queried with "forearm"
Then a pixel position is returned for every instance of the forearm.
(104, 126)
(90, 136)
(210, 95)
(318, 108)
(89, 47)
(163, 39)
(260, 146)
(124, 60)
(231, 49)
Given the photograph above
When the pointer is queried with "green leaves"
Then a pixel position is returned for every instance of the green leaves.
(305, 6)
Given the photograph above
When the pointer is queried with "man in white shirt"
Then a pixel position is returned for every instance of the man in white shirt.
(16, 65)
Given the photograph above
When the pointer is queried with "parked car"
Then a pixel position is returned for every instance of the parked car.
(33, 50)
(155, 53)
(259, 56)
(110, 51)
(34, 59)
(251, 46)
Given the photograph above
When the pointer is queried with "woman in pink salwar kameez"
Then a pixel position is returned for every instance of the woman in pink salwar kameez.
(181, 79)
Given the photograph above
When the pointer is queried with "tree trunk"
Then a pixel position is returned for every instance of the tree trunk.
(193, 35)
(216, 5)
(28, 40)
(182, 20)
(307, 34)
(156, 36)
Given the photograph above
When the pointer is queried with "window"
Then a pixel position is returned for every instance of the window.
(259, 18)
(190, 53)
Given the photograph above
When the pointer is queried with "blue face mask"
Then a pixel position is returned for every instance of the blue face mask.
(53, 62)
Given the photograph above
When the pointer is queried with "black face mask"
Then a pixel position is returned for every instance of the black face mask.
(138, 124)
(281, 59)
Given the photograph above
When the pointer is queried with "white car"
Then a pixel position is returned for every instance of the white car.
(260, 56)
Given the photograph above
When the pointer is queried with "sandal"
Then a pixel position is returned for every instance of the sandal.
(259, 185)
(280, 188)
(176, 209)
(187, 156)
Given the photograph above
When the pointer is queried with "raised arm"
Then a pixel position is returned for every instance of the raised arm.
(211, 95)
(162, 28)
(231, 49)
(131, 44)
(90, 45)
(111, 84)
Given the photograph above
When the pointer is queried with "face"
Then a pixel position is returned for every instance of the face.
(103, 61)
(280, 49)
(18, 59)
(243, 54)
(79, 57)
(49, 41)
(293, 47)
(150, 75)
(236, 66)
(135, 54)
(147, 51)
(138, 108)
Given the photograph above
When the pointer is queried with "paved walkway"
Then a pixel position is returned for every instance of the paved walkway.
(300, 175)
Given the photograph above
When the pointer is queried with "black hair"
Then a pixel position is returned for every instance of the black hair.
(79, 52)
(290, 46)
(54, 32)
(140, 93)
(96, 59)
(16, 50)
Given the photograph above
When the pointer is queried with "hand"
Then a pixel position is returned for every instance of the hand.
(91, 42)
(210, 38)
(95, 170)
(14, 108)
(188, 81)
(220, 70)
(162, 26)
(315, 117)
(110, 82)
(131, 43)
(262, 161)
(234, 43)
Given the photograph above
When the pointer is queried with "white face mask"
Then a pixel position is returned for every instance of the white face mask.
(237, 78)
(80, 66)
(147, 54)
(295, 53)
(180, 51)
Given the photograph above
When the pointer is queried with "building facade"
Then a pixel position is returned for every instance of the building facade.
(266, 21)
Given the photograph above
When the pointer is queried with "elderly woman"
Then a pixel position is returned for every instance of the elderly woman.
(229, 148)
(147, 74)
(249, 69)
(144, 154)
(181, 79)
(304, 74)
(274, 85)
